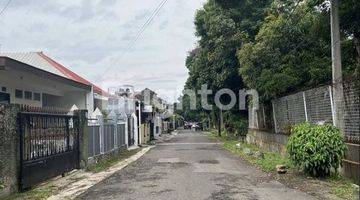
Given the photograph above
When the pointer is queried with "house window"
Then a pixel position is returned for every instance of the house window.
(28, 95)
(37, 96)
(19, 94)
(3, 89)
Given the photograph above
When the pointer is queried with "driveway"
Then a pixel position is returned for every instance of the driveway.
(191, 166)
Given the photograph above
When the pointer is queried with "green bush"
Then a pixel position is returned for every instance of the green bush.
(236, 124)
(316, 149)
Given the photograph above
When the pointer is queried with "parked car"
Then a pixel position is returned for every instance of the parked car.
(187, 125)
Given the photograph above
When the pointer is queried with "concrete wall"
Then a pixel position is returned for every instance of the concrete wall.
(268, 141)
(9, 150)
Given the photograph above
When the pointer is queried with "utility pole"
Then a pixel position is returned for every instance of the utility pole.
(336, 63)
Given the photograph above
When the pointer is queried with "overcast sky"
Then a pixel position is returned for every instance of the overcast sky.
(89, 37)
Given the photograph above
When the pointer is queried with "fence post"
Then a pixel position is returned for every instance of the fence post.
(82, 137)
(305, 107)
(274, 116)
(127, 132)
(116, 139)
(101, 134)
(333, 111)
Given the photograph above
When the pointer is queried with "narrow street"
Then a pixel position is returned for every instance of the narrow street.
(190, 166)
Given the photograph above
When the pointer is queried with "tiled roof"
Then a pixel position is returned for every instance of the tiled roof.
(41, 61)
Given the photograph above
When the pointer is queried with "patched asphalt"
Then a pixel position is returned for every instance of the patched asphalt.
(191, 166)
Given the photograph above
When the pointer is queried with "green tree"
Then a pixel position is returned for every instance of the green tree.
(350, 29)
(290, 51)
(222, 27)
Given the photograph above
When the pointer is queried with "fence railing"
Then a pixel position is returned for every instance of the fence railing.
(104, 137)
(49, 146)
(47, 134)
(317, 106)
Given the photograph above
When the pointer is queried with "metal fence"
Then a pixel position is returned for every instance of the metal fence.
(316, 106)
(49, 146)
(46, 134)
(312, 105)
(351, 109)
(104, 137)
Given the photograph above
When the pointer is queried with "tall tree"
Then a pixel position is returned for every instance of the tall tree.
(290, 51)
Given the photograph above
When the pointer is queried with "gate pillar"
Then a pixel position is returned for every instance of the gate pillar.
(9, 150)
(83, 137)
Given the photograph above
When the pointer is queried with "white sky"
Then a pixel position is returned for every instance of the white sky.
(88, 36)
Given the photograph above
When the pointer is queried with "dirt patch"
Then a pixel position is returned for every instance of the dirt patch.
(315, 187)
(209, 162)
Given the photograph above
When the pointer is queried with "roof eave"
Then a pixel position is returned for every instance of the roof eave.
(15, 64)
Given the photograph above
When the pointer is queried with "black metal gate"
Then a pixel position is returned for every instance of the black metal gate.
(49, 146)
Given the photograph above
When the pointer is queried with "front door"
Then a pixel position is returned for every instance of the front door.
(4, 98)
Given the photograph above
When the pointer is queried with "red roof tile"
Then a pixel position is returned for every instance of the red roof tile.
(72, 75)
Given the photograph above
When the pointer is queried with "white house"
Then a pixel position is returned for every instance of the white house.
(25, 84)
(122, 102)
(37, 80)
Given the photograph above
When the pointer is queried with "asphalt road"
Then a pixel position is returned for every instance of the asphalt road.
(190, 166)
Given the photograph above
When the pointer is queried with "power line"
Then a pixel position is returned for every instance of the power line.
(140, 32)
(143, 28)
(5, 7)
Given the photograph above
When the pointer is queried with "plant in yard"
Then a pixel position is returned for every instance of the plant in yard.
(316, 149)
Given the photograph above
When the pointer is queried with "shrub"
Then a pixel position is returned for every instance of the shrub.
(236, 124)
(316, 149)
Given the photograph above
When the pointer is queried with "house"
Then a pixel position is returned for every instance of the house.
(122, 102)
(45, 94)
(154, 109)
(41, 86)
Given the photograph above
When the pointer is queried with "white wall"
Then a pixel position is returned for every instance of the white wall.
(64, 96)
(67, 101)
(157, 123)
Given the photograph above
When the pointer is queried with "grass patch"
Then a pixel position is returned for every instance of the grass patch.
(343, 188)
(35, 194)
(336, 184)
(267, 163)
(107, 163)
